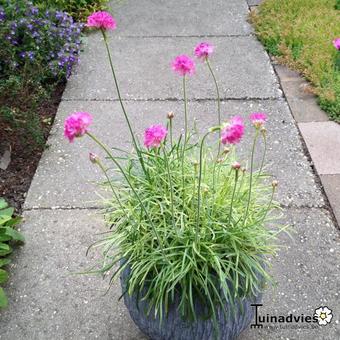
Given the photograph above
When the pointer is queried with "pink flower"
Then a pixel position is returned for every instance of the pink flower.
(236, 166)
(102, 20)
(203, 50)
(336, 43)
(233, 131)
(258, 119)
(154, 135)
(76, 125)
(183, 65)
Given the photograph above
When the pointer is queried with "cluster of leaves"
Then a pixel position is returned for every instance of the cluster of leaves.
(78, 9)
(300, 34)
(337, 5)
(39, 49)
(8, 234)
(170, 250)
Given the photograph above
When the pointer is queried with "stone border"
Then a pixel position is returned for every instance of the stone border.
(320, 136)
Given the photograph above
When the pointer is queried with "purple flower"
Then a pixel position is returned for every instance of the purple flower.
(232, 133)
(336, 43)
(154, 136)
(203, 50)
(183, 65)
(31, 55)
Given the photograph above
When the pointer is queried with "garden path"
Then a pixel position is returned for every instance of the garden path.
(62, 210)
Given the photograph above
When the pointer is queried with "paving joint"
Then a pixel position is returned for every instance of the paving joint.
(64, 208)
(99, 207)
(188, 36)
(173, 99)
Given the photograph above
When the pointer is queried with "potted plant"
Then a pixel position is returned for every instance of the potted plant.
(189, 237)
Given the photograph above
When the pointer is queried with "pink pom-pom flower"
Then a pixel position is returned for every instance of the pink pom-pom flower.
(102, 20)
(154, 136)
(258, 119)
(183, 65)
(203, 50)
(233, 131)
(76, 125)
(336, 43)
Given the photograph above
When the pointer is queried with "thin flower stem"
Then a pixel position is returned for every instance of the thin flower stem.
(269, 204)
(251, 176)
(140, 157)
(218, 115)
(264, 153)
(185, 139)
(218, 104)
(171, 187)
(233, 196)
(185, 111)
(170, 128)
(107, 151)
(199, 187)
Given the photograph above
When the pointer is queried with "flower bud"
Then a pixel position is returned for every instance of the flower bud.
(93, 158)
(170, 115)
(226, 150)
(263, 130)
(219, 160)
(236, 166)
(214, 129)
(243, 169)
(275, 183)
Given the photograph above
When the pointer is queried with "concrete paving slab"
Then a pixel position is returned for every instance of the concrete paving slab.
(331, 185)
(254, 2)
(47, 302)
(307, 272)
(144, 71)
(65, 176)
(302, 103)
(323, 141)
(163, 17)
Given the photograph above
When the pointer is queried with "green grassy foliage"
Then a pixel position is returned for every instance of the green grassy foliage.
(300, 34)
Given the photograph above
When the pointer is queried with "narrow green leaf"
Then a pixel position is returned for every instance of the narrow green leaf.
(3, 276)
(4, 262)
(13, 221)
(4, 238)
(3, 299)
(7, 212)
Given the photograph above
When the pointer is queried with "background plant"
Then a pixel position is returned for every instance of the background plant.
(39, 49)
(300, 34)
(8, 235)
(78, 9)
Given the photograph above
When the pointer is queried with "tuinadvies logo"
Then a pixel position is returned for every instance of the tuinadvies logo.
(322, 315)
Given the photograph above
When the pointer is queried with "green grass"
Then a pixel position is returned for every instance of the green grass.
(300, 34)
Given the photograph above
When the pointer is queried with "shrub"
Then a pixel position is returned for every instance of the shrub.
(38, 50)
(8, 234)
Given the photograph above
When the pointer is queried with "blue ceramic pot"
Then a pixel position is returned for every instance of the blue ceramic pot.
(174, 327)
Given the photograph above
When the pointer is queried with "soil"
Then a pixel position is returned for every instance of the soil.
(16, 179)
